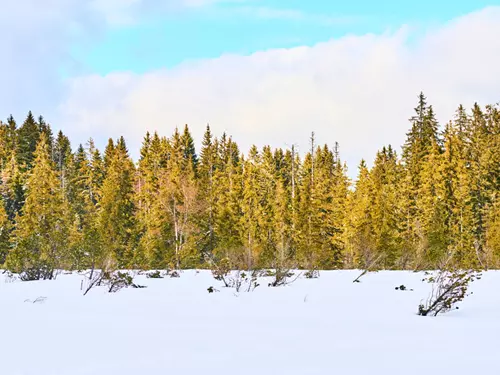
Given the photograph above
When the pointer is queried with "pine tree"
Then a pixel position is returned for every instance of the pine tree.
(152, 220)
(28, 137)
(108, 153)
(206, 171)
(251, 210)
(41, 232)
(117, 220)
(5, 230)
(8, 139)
(384, 178)
(12, 187)
(87, 238)
(178, 191)
(228, 191)
(188, 149)
(359, 236)
(492, 234)
(46, 132)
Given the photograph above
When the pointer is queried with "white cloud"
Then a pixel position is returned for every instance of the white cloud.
(359, 91)
(38, 40)
(35, 41)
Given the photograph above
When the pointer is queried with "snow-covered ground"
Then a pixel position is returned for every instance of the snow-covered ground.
(174, 326)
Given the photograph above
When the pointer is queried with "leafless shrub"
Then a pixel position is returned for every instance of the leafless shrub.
(283, 276)
(110, 278)
(237, 279)
(220, 270)
(449, 287)
(242, 281)
(371, 264)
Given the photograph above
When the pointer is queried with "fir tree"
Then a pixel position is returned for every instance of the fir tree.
(152, 220)
(206, 171)
(117, 220)
(28, 137)
(41, 232)
(5, 229)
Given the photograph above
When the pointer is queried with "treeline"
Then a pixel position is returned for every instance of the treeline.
(437, 202)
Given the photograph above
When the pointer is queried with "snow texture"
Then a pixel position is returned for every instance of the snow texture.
(321, 326)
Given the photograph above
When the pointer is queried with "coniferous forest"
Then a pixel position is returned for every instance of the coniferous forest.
(438, 200)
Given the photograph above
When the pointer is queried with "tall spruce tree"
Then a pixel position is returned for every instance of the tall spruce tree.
(117, 209)
(152, 220)
(41, 232)
(5, 229)
(28, 135)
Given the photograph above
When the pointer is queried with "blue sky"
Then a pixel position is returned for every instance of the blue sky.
(165, 39)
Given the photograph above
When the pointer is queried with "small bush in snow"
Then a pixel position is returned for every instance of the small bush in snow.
(154, 275)
(174, 273)
(242, 281)
(448, 289)
(120, 280)
(311, 274)
(108, 277)
(282, 277)
(211, 289)
(220, 270)
(239, 280)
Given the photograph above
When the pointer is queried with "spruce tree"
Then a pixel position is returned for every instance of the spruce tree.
(228, 192)
(41, 232)
(359, 237)
(152, 220)
(8, 139)
(207, 168)
(12, 187)
(116, 218)
(251, 209)
(5, 229)
(178, 191)
(28, 136)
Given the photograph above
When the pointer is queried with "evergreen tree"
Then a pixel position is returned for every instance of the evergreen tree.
(206, 171)
(178, 191)
(5, 229)
(117, 220)
(152, 220)
(188, 149)
(41, 232)
(12, 187)
(384, 178)
(28, 136)
(251, 209)
(8, 139)
(359, 236)
(228, 191)
(108, 153)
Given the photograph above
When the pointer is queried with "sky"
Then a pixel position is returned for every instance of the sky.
(264, 71)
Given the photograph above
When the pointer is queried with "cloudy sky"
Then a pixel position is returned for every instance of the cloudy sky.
(265, 71)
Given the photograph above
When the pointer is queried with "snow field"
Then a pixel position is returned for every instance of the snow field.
(328, 325)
